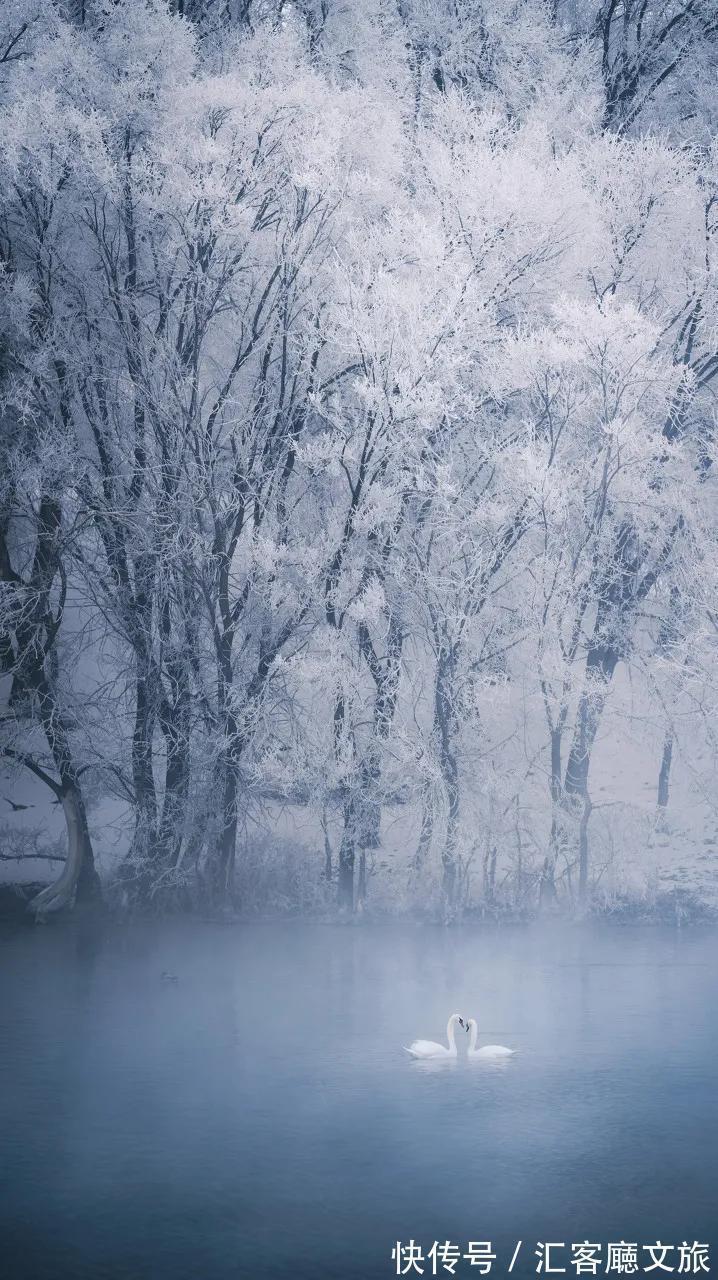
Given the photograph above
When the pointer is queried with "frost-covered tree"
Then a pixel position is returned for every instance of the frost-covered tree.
(357, 383)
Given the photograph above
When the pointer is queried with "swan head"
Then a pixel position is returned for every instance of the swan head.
(463, 1023)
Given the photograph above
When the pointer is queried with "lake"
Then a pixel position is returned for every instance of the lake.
(257, 1117)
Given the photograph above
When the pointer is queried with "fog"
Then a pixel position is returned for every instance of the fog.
(358, 638)
(214, 1101)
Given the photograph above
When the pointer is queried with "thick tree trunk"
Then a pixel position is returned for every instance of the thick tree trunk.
(175, 724)
(364, 812)
(601, 662)
(174, 804)
(30, 658)
(78, 881)
(426, 833)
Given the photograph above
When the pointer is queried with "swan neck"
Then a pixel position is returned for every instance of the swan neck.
(450, 1033)
(474, 1035)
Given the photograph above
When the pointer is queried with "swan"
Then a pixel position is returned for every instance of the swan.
(430, 1049)
(488, 1050)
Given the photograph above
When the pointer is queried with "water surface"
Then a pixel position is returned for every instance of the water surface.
(257, 1117)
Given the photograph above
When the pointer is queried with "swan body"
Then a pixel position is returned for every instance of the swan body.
(487, 1050)
(430, 1048)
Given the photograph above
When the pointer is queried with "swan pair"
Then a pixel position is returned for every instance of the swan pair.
(430, 1049)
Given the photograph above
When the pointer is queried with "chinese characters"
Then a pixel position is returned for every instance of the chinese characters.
(553, 1257)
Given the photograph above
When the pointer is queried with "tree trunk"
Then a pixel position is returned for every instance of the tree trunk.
(223, 867)
(449, 857)
(601, 663)
(583, 849)
(366, 807)
(78, 881)
(426, 833)
(447, 728)
(142, 765)
(30, 656)
(547, 883)
(174, 804)
(664, 775)
(175, 724)
(347, 848)
(519, 857)
(490, 874)
(361, 880)
(221, 857)
(327, 848)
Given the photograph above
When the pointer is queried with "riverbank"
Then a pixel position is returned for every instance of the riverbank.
(676, 905)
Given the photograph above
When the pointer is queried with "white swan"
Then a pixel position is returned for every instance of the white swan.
(430, 1049)
(487, 1050)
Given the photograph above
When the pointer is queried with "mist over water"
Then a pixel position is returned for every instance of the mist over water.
(257, 1116)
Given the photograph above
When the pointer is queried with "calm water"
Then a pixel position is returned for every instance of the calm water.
(258, 1118)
